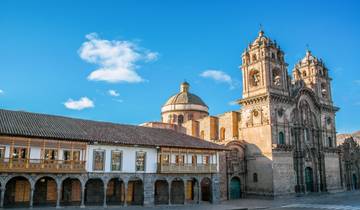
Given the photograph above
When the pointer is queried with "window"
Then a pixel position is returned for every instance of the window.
(20, 153)
(179, 159)
(194, 160)
(165, 159)
(190, 116)
(255, 177)
(2, 152)
(206, 159)
(75, 155)
(180, 119)
(98, 160)
(116, 160)
(254, 57)
(140, 161)
(254, 77)
(330, 142)
(276, 75)
(50, 154)
(281, 138)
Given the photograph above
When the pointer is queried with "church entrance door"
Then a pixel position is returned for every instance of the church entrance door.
(235, 188)
(309, 179)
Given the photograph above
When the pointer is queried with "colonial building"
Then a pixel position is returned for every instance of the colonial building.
(58, 161)
(283, 139)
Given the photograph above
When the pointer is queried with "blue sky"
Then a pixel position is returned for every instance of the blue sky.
(51, 49)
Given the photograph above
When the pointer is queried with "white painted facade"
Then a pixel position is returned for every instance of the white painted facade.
(128, 158)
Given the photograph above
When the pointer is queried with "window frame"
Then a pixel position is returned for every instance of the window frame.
(121, 160)
(2, 152)
(103, 162)
(144, 161)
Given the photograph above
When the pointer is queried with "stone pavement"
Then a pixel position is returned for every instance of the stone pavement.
(338, 201)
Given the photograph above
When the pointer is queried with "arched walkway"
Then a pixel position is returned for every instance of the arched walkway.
(45, 193)
(135, 192)
(94, 192)
(309, 179)
(71, 192)
(115, 192)
(161, 192)
(177, 192)
(206, 194)
(192, 191)
(235, 188)
(17, 193)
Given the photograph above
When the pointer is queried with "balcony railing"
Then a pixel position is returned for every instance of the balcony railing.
(186, 168)
(39, 165)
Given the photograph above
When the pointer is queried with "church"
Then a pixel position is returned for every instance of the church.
(283, 139)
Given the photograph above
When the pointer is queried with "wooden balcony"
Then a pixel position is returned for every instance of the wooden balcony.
(186, 168)
(41, 166)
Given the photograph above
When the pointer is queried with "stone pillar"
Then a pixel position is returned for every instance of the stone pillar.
(199, 191)
(82, 205)
(125, 192)
(2, 195)
(169, 202)
(32, 196)
(58, 196)
(149, 190)
(105, 190)
(215, 189)
(185, 192)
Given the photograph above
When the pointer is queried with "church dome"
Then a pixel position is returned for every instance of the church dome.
(184, 100)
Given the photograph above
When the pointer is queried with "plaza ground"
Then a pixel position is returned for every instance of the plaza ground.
(338, 201)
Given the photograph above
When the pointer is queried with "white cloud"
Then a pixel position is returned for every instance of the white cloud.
(2, 92)
(113, 93)
(82, 103)
(233, 103)
(117, 59)
(218, 76)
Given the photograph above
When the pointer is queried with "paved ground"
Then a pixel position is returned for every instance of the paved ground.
(339, 201)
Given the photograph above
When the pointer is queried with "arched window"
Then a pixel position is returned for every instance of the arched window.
(202, 134)
(180, 119)
(222, 133)
(254, 77)
(254, 57)
(276, 75)
(323, 90)
(281, 138)
(330, 143)
(255, 177)
(272, 55)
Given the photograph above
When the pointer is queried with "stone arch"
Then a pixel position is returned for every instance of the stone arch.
(276, 76)
(206, 189)
(177, 191)
(71, 191)
(254, 77)
(45, 192)
(180, 119)
(281, 138)
(161, 194)
(135, 191)
(115, 191)
(17, 191)
(94, 191)
(235, 187)
(192, 190)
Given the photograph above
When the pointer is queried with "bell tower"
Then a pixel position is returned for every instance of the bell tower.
(264, 68)
(313, 72)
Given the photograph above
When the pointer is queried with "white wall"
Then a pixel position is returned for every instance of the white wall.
(128, 158)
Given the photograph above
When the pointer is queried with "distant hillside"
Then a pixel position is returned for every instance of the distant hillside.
(341, 137)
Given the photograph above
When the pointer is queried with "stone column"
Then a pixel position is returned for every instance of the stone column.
(125, 192)
(184, 192)
(32, 196)
(199, 191)
(58, 196)
(169, 202)
(2, 196)
(149, 189)
(105, 189)
(82, 205)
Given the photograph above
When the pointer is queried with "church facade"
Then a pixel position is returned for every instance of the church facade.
(283, 139)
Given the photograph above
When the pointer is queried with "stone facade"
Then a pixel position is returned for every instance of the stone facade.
(284, 136)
